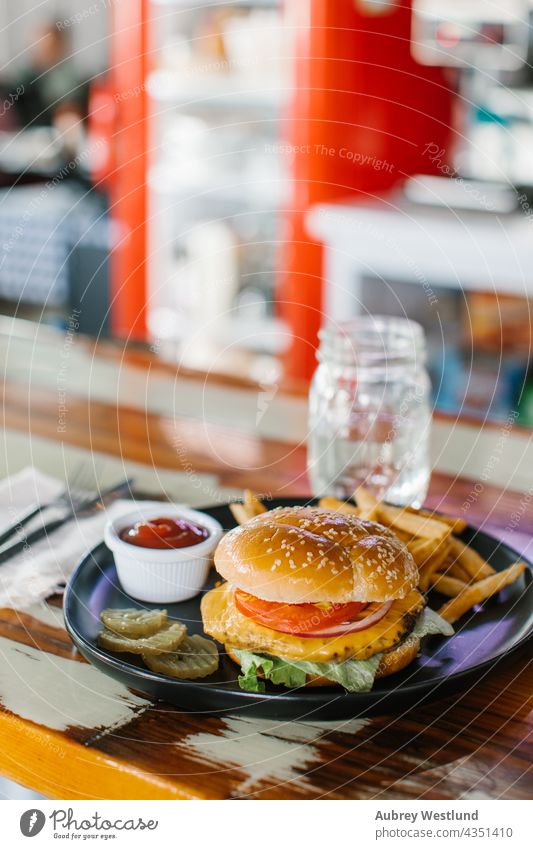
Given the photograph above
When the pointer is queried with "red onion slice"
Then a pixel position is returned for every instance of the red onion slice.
(350, 627)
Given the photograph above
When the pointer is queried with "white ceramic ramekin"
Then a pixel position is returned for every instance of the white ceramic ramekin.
(168, 574)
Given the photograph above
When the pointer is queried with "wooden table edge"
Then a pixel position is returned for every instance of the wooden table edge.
(82, 765)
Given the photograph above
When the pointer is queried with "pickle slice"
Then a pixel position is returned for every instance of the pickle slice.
(196, 657)
(166, 640)
(133, 623)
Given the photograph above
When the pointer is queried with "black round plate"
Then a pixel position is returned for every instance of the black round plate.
(483, 637)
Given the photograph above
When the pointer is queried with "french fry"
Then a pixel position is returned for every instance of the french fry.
(345, 507)
(240, 512)
(456, 524)
(405, 537)
(364, 498)
(250, 507)
(421, 549)
(480, 591)
(446, 585)
(432, 565)
(412, 523)
(367, 503)
(252, 502)
(330, 503)
(370, 515)
(455, 570)
(470, 560)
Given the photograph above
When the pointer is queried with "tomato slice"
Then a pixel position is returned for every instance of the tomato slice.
(296, 618)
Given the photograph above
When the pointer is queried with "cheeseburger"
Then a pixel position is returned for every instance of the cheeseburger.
(317, 597)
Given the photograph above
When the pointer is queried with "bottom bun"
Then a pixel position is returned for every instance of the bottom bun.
(392, 661)
(399, 657)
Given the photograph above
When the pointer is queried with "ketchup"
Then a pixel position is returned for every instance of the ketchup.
(164, 533)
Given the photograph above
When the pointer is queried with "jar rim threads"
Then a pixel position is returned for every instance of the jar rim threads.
(368, 341)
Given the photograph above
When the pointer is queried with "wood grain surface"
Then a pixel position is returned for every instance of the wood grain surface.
(68, 731)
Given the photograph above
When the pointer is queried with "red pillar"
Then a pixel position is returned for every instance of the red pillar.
(356, 87)
(128, 191)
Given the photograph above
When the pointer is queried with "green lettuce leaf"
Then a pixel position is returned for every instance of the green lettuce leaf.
(356, 676)
(273, 669)
(430, 622)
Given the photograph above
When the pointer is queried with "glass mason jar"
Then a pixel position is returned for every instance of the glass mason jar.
(369, 411)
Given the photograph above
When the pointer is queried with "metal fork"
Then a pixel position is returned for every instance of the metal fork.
(80, 487)
(91, 503)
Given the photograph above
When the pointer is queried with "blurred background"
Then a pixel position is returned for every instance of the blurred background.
(217, 180)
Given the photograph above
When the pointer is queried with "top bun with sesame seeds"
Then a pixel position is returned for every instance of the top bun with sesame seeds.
(305, 554)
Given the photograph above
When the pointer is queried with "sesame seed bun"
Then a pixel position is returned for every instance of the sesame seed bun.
(305, 554)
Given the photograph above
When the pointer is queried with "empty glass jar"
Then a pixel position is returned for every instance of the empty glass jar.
(369, 411)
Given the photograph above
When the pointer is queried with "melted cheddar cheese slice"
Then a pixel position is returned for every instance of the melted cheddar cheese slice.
(225, 623)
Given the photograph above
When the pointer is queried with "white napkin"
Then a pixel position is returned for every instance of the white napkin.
(39, 571)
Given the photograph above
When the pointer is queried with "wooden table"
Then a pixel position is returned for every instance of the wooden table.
(68, 731)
